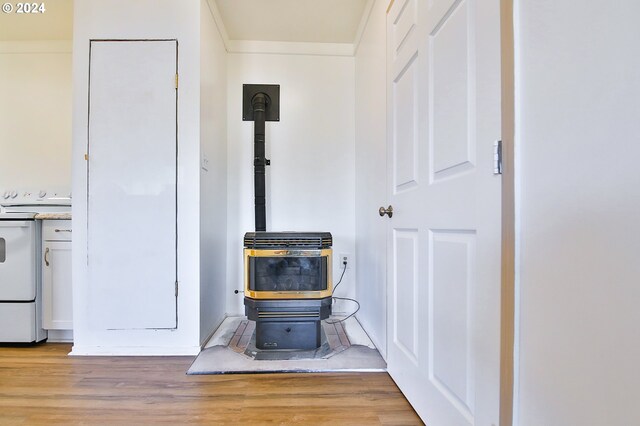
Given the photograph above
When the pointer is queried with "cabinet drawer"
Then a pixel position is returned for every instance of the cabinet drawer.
(56, 230)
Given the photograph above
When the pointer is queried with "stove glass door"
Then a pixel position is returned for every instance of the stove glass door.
(288, 274)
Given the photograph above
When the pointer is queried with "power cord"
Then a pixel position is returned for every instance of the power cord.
(344, 269)
(348, 316)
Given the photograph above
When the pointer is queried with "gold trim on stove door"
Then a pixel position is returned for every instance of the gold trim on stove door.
(288, 294)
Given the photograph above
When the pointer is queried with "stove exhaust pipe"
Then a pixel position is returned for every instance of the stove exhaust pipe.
(260, 103)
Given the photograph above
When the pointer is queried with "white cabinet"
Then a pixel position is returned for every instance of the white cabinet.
(57, 309)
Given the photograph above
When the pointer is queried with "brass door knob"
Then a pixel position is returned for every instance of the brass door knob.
(388, 211)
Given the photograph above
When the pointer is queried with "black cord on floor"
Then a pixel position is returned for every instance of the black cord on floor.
(348, 316)
(344, 269)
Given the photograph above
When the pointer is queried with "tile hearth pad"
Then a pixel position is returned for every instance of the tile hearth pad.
(345, 348)
(334, 340)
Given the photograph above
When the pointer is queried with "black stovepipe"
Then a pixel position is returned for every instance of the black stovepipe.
(259, 103)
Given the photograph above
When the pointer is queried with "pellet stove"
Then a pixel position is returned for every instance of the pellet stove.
(287, 275)
(287, 287)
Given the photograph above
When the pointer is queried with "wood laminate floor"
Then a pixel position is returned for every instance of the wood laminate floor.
(41, 384)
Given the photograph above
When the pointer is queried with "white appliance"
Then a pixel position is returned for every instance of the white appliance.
(20, 260)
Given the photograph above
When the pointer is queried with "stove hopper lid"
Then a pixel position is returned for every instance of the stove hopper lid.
(274, 240)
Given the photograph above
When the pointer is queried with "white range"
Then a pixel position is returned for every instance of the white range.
(21, 259)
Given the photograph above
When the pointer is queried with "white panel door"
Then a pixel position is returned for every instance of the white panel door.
(132, 174)
(444, 236)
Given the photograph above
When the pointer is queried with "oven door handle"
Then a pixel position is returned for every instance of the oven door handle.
(14, 224)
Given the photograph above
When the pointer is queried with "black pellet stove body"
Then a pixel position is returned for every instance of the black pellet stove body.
(287, 284)
(287, 287)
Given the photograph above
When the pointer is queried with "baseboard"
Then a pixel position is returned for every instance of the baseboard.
(60, 336)
(382, 348)
(134, 350)
(218, 324)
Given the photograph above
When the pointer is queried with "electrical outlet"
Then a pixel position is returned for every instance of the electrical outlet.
(344, 257)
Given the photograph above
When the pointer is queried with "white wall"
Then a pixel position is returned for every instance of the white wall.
(213, 174)
(142, 19)
(35, 115)
(370, 176)
(578, 144)
(310, 183)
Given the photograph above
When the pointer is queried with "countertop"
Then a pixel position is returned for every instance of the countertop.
(53, 216)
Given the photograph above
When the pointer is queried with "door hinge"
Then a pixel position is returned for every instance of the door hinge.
(86, 157)
(497, 158)
(176, 81)
(176, 288)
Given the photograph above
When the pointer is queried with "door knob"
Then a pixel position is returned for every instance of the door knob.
(388, 211)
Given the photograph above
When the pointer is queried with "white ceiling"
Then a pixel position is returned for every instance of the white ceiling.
(316, 21)
(55, 24)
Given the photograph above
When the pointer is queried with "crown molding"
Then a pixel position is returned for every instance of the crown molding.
(366, 14)
(290, 48)
(215, 13)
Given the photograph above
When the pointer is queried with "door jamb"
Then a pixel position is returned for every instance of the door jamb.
(507, 297)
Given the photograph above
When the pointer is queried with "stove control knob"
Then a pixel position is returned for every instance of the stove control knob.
(41, 194)
(6, 195)
(14, 194)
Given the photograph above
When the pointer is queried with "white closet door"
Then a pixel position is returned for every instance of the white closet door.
(444, 237)
(132, 175)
